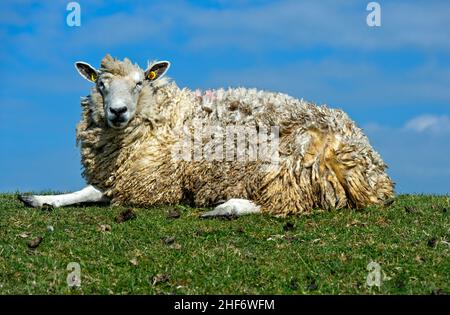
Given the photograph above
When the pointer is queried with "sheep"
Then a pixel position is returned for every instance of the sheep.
(142, 137)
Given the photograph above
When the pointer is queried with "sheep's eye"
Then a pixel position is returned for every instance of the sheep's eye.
(139, 84)
(101, 85)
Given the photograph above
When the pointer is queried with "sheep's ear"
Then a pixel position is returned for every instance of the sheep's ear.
(87, 71)
(157, 70)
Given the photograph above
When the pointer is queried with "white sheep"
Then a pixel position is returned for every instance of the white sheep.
(144, 141)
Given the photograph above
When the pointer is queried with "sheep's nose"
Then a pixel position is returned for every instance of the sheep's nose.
(118, 111)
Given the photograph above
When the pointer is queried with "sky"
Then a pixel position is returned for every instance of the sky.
(393, 80)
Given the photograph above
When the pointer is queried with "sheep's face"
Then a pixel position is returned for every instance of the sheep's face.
(120, 86)
(120, 96)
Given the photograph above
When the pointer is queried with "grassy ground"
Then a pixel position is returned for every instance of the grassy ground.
(324, 253)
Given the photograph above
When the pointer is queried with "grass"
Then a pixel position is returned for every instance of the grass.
(323, 253)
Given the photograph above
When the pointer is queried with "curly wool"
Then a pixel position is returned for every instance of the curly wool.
(325, 160)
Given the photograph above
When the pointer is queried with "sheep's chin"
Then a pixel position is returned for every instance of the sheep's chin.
(120, 125)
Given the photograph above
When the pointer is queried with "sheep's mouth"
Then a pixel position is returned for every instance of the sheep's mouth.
(118, 123)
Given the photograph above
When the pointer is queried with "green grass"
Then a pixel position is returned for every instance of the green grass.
(324, 253)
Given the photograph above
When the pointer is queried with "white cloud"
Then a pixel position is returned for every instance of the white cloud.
(418, 154)
(429, 123)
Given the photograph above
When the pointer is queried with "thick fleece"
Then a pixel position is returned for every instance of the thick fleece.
(325, 160)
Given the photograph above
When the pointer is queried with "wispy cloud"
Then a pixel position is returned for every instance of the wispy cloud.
(429, 123)
(417, 153)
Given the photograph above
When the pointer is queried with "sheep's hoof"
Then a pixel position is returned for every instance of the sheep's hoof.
(28, 200)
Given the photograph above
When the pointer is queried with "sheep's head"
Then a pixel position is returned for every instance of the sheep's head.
(120, 84)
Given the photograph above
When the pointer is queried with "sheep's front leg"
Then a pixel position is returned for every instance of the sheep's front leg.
(232, 207)
(87, 194)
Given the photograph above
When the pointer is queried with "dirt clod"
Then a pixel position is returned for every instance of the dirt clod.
(168, 240)
(432, 242)
(313, 286)
(34, 243)
(125, 215)
(200, 232)
(312, 283)
(159, 278)
(438, 291)
(410, 209)
(289, 226)
(173, 214)
(294, 284)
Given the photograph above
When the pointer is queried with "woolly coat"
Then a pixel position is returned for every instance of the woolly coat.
(325, 160)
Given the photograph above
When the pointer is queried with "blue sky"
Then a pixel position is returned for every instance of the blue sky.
(394, 80)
